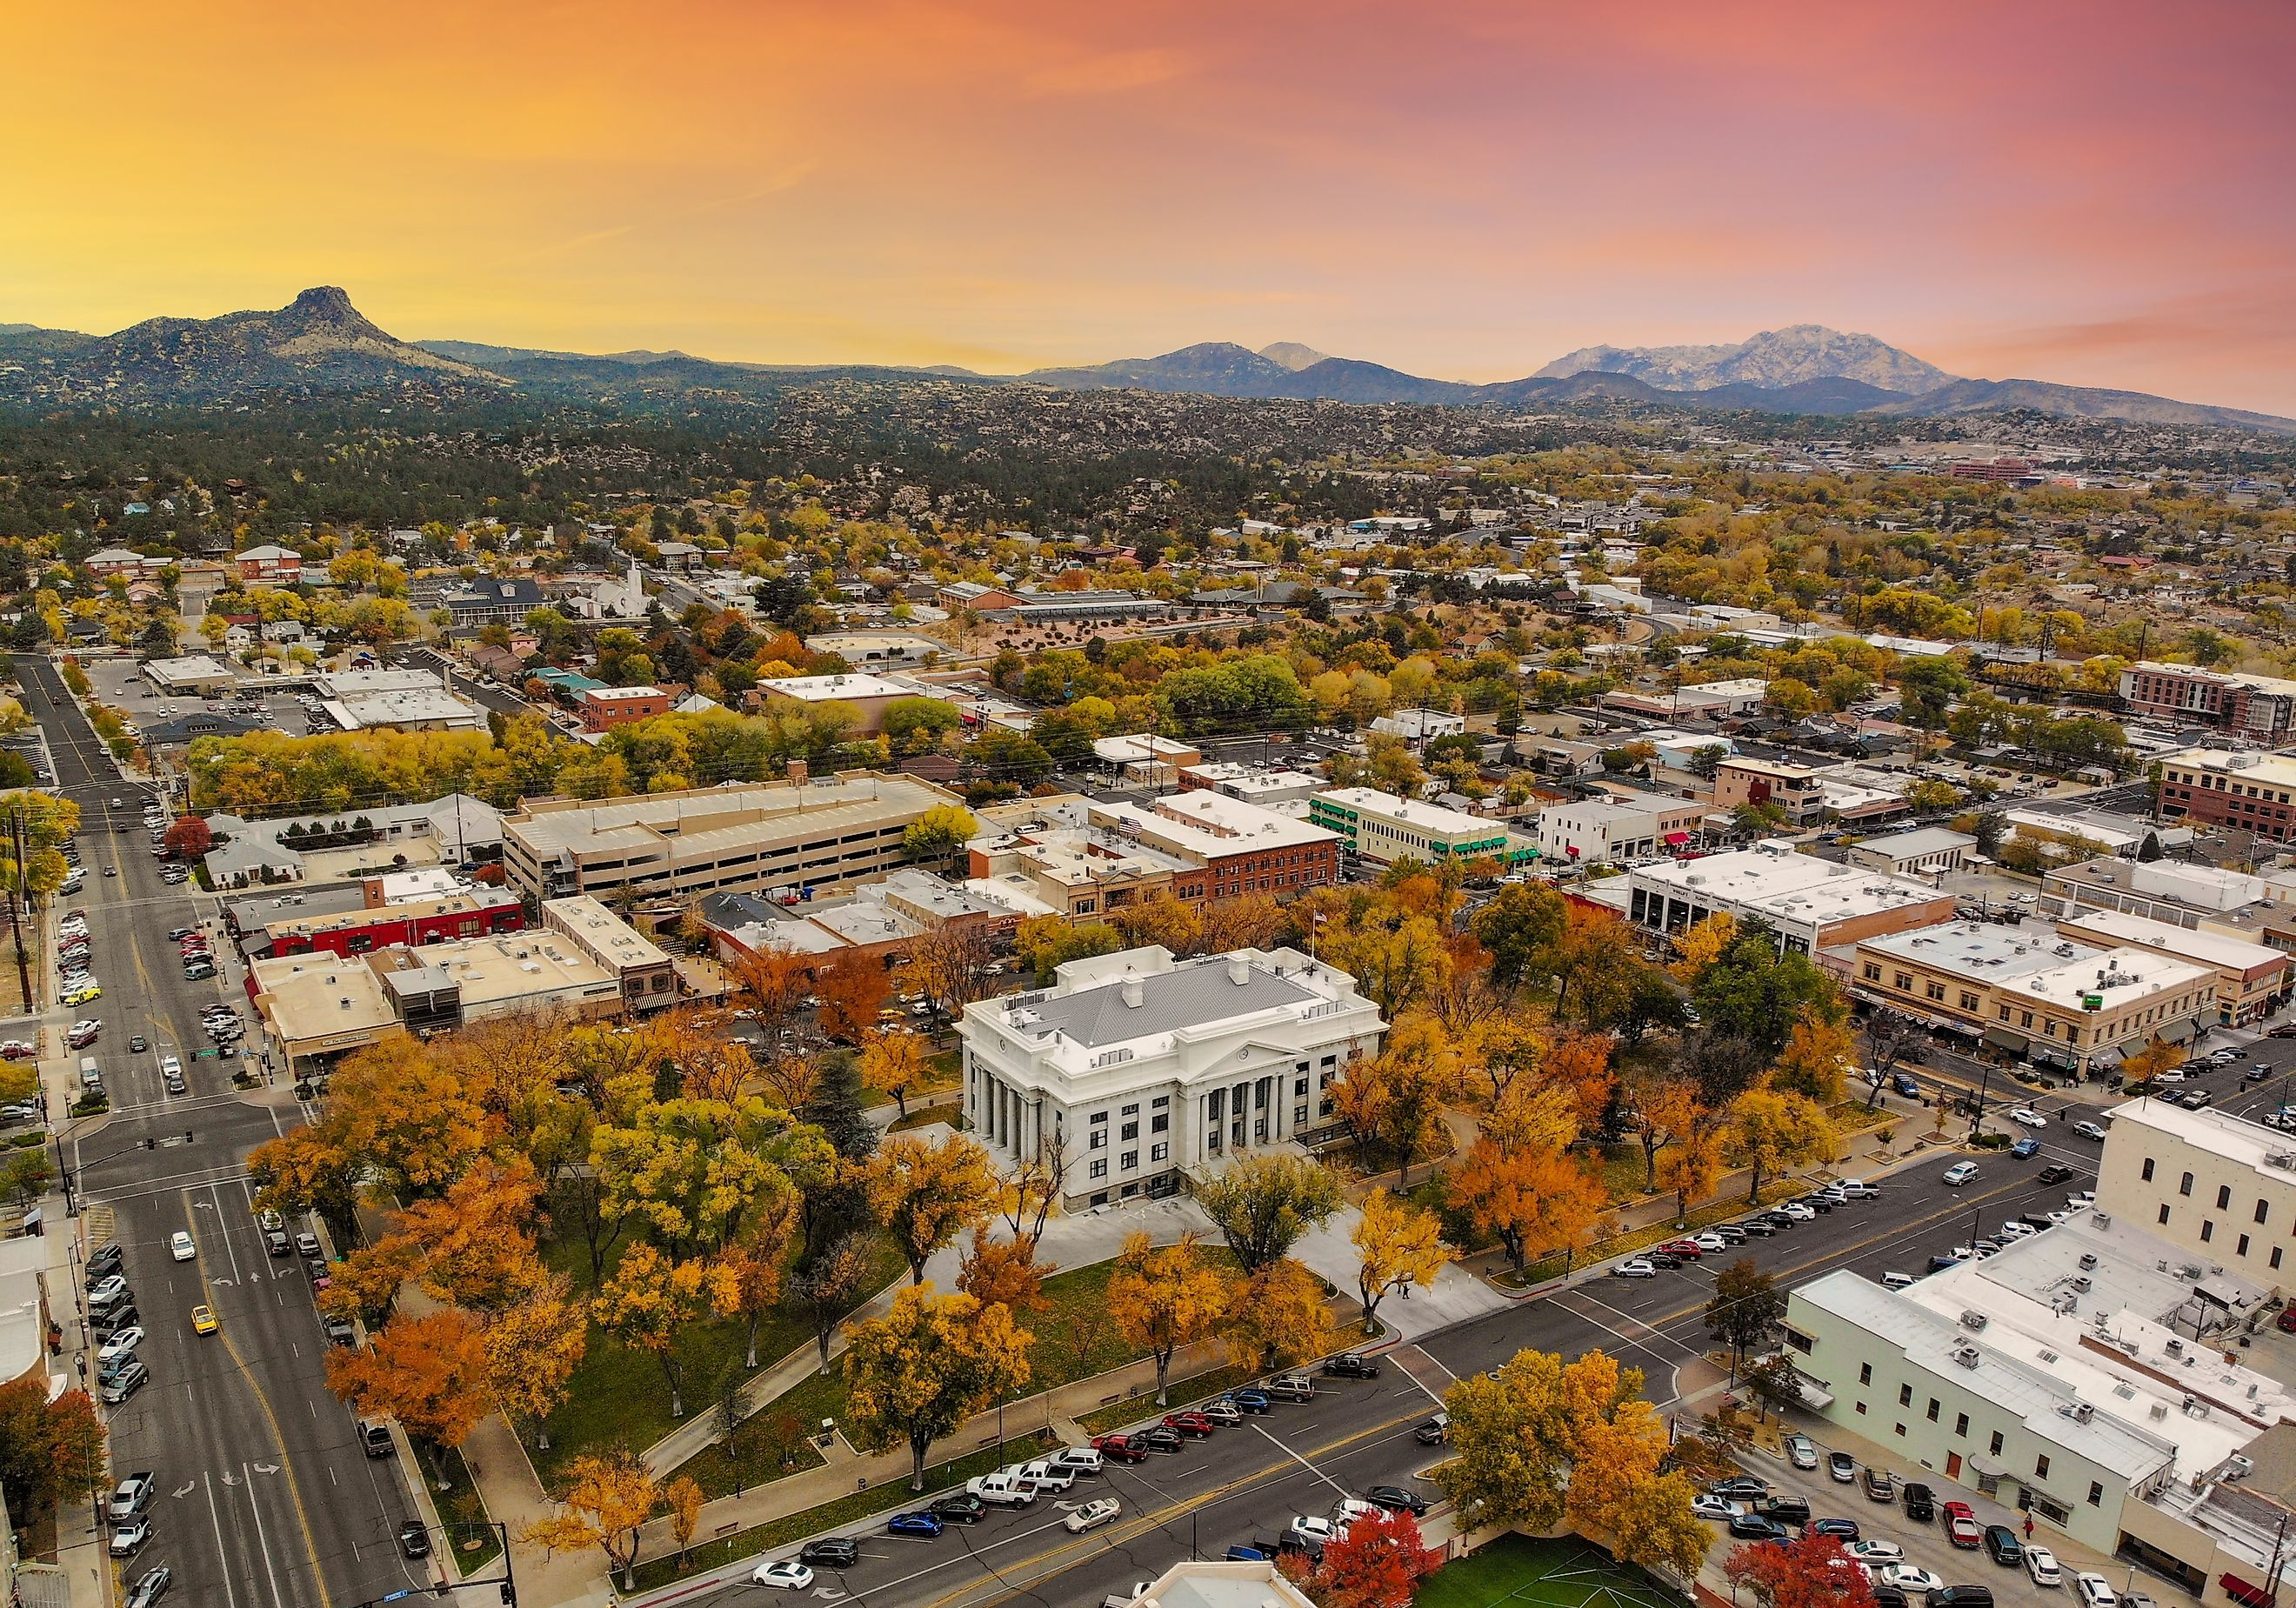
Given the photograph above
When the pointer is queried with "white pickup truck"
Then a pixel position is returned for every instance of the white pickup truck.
(1002, 1489)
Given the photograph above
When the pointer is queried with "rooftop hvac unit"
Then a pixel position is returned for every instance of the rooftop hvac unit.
(2081, 1282)
(1972, 1320)
(2083, 1412)
(1966, 1355)
(2280, 1159)
(2173, 1346)
(2189, 1270)
(2088, 1260)
(2104, 1220)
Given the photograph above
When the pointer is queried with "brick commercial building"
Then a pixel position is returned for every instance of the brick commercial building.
(2260, 708)
(2213, 787)
(603, 708)
(1241, 847)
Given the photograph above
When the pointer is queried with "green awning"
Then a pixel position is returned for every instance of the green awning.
(2001, 1038)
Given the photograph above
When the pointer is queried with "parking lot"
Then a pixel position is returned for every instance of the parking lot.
(117, 683)
(1925, 1545)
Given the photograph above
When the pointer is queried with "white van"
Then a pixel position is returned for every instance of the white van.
(91, 1076)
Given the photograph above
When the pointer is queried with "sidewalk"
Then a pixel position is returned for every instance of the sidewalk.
(1068, 1241)
(1055, 1410)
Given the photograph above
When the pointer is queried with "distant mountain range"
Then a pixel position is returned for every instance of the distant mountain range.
(320, 343)
(1775, 360)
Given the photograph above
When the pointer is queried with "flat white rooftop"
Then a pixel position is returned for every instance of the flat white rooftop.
(2116, 978)
(1431, 818)
(1772, 879)
(829, 689)
(2208, 948)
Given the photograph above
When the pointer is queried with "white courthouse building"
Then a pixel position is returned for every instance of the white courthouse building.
(1135, 1067)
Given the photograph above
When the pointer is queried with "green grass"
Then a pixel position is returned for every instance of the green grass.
(772, 1444)
(1073, 1340)
(471, 1538)
(1624, 1172)
(1184, 1392)
(891, 1496)
(925, 1116)
(618, 1397)
(1733, 1205)
(1515, 1570)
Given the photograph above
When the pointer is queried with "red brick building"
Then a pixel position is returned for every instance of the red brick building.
(2211, 787)
(603, 708)
(488, 912)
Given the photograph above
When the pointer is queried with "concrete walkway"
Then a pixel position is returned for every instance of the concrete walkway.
(1055, 1412)
(1068, 1241)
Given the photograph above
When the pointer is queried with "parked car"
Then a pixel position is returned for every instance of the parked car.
(785, 1574)
(913, 1524)
(131, 1496)
(1879, 1486)
(1844, 1531)
(155, 1582)
(1704, 1507)
(1754, 1527)
(1350, 1365)
(1876, 1551)
(2002, 1544)
(2041, 1564)
(1842, 1466)
(1251, 1400)
(1741, 1487)
(2094, 1590)
(1910, 1577)
(1396, 1499)
(963, 1508)
(415, 1540)
(129, 1539)
(1921, 1505)
(1635, 1267)
(1688, 1249)
(1223, 1412)
(1292, 1387)
(1120, 1449)
(1190, 1423)
(1801, 1451)
(1156, 1437)
(124, 1382)
(830, 1552)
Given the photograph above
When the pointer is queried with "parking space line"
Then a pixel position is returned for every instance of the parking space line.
(1303, 1462)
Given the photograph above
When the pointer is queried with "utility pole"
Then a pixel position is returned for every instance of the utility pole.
(16, 908)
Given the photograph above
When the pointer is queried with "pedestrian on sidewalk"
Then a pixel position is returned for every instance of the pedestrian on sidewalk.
(2029, 1527)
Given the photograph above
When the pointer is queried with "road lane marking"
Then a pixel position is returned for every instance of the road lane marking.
(1630, 1317)
(1140, 1524)
(263, 1545)
(223, 1553)
(278, 1438)
(1303, 1462)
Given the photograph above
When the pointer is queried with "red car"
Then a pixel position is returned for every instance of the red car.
(1119, 1448)
(1189, 1423)
(1961, 1525)
(1685, 1248)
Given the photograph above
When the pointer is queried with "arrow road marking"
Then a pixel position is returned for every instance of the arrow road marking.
(187, 1491)
(232, 1480)
(266, 1468)
(827, 1596)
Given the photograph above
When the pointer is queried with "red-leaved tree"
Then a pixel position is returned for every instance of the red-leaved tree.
(1811, 1571)
(1377, 1563)
(188, 839)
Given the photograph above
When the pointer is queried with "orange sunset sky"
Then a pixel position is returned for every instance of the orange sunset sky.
(2100, 194)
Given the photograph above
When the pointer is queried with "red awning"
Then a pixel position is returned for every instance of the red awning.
(1677, 838)
(2241, 1591)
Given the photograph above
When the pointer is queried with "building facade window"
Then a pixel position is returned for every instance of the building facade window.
(2148, 1173)
(1996, 1444)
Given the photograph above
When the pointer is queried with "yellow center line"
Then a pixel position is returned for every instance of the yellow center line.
(1143, 1523)
(278, 1440)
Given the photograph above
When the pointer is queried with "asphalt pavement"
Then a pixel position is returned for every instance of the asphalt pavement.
(266, 1500)
(1247, 1484)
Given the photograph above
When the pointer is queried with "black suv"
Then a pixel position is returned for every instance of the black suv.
(2053, 1174)
(2002, 1543)
(1921, 1506)
(831, 1551)
(1347, 1365)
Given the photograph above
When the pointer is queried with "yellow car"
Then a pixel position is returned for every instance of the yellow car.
(204, 1320)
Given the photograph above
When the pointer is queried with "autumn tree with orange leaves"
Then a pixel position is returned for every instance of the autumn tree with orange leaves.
(852, 992)
(429, 1372)
(1163, 1297)
(923, 1194)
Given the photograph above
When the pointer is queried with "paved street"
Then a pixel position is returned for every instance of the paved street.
(266, 1501)
(1248, 1483)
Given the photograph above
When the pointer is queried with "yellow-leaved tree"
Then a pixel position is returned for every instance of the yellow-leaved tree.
(1162, 1300)
(1770, 1129)
(893, 1063)
(1397, 1245)
(607, 1505)
(923, 1369)
(923, 1194)
(1816, 1060)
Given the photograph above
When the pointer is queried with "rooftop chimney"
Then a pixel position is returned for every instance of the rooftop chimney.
(1238, 970)
(1131, 990)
